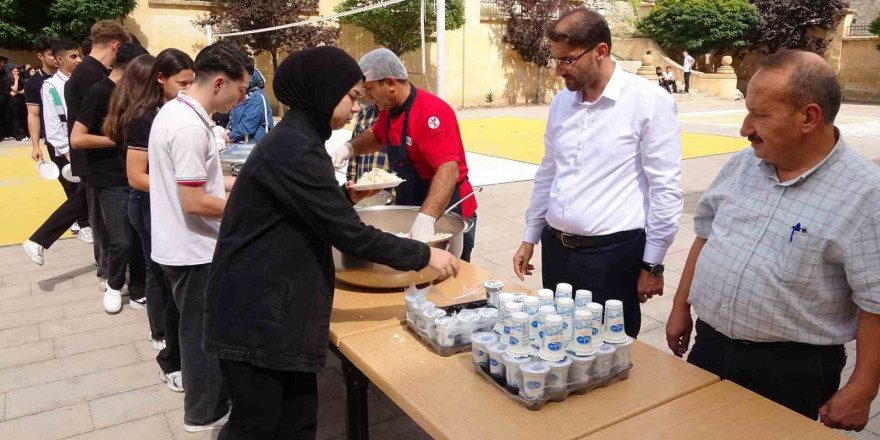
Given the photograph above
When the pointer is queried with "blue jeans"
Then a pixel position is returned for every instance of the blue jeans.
(470, 239)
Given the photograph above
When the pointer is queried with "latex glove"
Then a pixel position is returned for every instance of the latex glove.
(423, 228)
(341, 154)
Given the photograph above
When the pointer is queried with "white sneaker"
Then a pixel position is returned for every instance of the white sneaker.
(85, 235)
(138, 304)
(74, 229)
(112, 301)
(102, 284)
(33, 251)
(201, 428)
(174, 380)
(158, 344)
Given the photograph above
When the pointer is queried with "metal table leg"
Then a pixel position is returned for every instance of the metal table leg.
(357, 421)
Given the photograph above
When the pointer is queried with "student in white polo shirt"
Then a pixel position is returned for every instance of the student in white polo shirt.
(187, 198)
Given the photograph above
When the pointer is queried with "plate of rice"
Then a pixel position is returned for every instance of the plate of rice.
(377, 178)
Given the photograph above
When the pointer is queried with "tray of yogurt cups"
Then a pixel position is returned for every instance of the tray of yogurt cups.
(447, 330)
(546, 347)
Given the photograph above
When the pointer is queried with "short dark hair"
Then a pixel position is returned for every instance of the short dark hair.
(43, 43)
(221, 57)
(250, 65)
(583, 27)
(808, 82)
(62, 46)
(127, 53)
(86, 46)
(2, 58)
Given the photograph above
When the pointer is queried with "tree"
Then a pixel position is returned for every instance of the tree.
(74, 18)
(792, 24)
(527, 21)
(397, 26)
(243, 15)
(875, 28)
(12, 35)
(701, 26)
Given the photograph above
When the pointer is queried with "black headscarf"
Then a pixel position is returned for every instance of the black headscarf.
(313, 81)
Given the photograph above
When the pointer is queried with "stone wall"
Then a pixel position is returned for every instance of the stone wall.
(859, 65)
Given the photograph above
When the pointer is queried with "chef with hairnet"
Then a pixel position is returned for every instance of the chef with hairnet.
(420, 134)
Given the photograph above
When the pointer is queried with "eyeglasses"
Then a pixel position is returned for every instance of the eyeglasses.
(566, 64)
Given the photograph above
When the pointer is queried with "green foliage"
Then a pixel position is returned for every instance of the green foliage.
(875, 28)
(701, 26)
(11, 33)
(397, 26)
(74, 18)
(490, 98)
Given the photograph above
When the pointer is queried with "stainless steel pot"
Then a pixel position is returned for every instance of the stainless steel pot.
(394, 219)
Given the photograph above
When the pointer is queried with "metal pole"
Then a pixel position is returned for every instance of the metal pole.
(441, 46)
(210, 34)
(422, 35)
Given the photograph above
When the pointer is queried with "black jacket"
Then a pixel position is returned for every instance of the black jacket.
(270, 294)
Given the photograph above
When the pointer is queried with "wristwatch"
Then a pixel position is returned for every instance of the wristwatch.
(656, 270)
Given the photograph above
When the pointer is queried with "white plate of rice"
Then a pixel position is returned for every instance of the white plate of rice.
(377, 178)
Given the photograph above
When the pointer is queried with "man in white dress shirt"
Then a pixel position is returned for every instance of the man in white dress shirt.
(607, 195)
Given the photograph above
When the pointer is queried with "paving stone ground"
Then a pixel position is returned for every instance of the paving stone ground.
(70, 371)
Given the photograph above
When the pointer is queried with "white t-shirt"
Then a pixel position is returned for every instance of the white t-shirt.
(688, 62)
(669, 76)
(182, 152)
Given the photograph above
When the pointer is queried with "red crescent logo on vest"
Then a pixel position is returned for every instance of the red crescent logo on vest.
(433, 122)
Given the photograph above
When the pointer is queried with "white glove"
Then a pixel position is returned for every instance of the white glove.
(341, 154)
(423, 228)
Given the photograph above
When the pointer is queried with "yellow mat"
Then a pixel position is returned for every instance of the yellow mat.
(522, 140)
(27, 200)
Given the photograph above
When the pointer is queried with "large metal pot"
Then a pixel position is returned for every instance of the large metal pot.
(394, 219)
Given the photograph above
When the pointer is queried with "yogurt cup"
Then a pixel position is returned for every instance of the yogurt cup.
(581, 369)
(614, 330)
(428, 317)
(419, 310)
(557, 378)
(412, 299)
(582, 298)
(468, 322)
(622, 355)
(545, 297)
(565, 309)
(582, 334)
(596, 309)
(532, 304)
(509, 309)
(444, 331)
(503, 299)
(479, 343)
(512, 371)
(552, 347)
(487, 318)
(604, 360)
(543, 313)
(496, 362)
(520, 344)
(493, 288)
(534, 376)
(563, 290)
(519, 296)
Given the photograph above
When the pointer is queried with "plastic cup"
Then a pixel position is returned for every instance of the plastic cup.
(510, 308)
(444, 331)
(582, 298)
(557, 378)
(487, 318)
(419, 310)
(48, 170)
(545, 297)
(503, 299)
(543, 313)
(493, 288)
(604, 360)
(552, 344)
(496, 361)
(622, 355)
(581, 369)
(582, 334)
(520, 342)
(512, 365)
(468, 322)
(534, 380)
(519, 297)
(412, 299)
(479, 343)
(565, 309)
(532, 305)
(563, 290)
(428, 317)
(614, 330)
(596, 309)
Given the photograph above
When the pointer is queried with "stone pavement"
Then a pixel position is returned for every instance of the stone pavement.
(70, 371)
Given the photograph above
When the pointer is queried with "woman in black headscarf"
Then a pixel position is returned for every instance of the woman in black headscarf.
(271, 289)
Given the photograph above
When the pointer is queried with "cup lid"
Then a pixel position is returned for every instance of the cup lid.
(519, 297)
(583, 314)
(606, 349)
(517, 360)
(535, 367)
(564, 363)
(553, 319)
(494, 284)
(425, 305)
(582, 292)
(434, 313)
(545, 293)
(468, 316)
(579, 358)
(547, 310)
(531, 300)
(625, 343)
(484, 338)
(564, 287)
(613, 304)
(488, 313)
(496, 347)
(595, 307)
(520, 316)
(505, 296)
(565, 302)
(513, 306)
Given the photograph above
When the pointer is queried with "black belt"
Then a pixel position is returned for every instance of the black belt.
(572, 241)
(704, 327)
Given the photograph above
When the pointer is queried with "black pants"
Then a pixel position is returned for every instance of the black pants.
(610, 272)
(206, 395)
(801, 377)
(270, 404)
(123, 244)
(68, 186)
(99, 230)
(16, 116)
(158, 289)
(72, 210)
(687, 82)
(470, 239)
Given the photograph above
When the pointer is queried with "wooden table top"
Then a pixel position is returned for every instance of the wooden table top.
(450, 401)
(357, 310)
(722, 411)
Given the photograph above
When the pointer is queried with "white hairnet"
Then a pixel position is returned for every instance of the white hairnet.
(381, 64)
